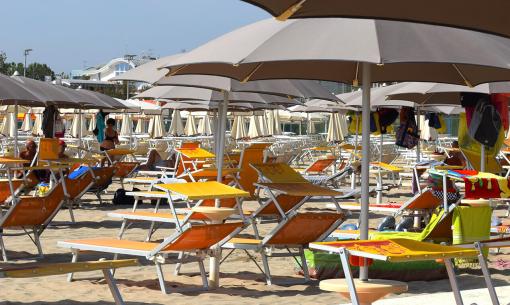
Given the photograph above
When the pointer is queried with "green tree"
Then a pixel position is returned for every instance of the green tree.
(39, 71)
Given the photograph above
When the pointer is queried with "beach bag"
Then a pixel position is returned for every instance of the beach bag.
(387, 116)
(485, 124)
(500, 101)
(407, 134)
(120, 197)
(471, 99)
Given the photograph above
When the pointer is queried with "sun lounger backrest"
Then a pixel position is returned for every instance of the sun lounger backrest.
(278, 173)
(5, 191)
(104, 177)
(35, 211)
(124, 168)
(424, 201)
(254, 154)
(76, 187)
(202, 237)
(285, 202)
(190, 145)
(439, 227)
(48, 149)
(319, 166)
(305, 228)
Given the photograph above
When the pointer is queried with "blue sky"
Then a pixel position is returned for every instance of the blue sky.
(66, 34)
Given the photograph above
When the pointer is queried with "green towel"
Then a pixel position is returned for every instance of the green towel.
(471, 224)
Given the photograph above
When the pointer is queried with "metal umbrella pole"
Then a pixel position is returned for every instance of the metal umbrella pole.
(365, 160)
(16, 152)
(418, 121)
(214, 263)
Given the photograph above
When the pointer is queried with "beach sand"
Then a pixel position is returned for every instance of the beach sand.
(241, 281)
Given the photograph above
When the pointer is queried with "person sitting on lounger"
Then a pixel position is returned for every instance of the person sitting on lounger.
(154, 160)
(30, 151)
(62, 150)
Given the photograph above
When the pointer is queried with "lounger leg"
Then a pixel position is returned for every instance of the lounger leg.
(71, 213)
(2, 246)
(73, 260)
(151, 231)
(203, 274)
(179, 263)
(487, 275)
(117, 297)
(453, 281)
(123, 228)
(348, 276)
(161, 278)
(37, 242)
(267, 272)
(304, 265)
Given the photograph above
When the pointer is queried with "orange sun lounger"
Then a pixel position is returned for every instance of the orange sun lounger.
(198, 239)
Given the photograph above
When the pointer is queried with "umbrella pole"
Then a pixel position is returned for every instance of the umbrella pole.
(365, 160)
(482, 159)
(356, 141)
(214, 263)
(15, 129)
(79, 132)
(418, 121)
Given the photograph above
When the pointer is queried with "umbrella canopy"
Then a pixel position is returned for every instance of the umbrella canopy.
(141, 106)
(274, 127)
(487, 17)
(190, 129)
(309, 49)
(204, 127)
(281, 87)
(264, 128)
(92, 125)
(310, 127)
(442, 94)
(27, 121)
(190, 93)
(12, 91)
(334, 130)
(176, 127)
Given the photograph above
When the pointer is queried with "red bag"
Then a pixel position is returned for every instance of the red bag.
(500, 101)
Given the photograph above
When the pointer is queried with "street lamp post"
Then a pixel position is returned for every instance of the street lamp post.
(26, 52)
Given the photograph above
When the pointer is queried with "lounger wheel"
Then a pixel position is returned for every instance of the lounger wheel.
(367, 291)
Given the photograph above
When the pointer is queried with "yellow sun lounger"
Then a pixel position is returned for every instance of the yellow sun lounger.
(394, 250)
(196, 239)
(30, 270)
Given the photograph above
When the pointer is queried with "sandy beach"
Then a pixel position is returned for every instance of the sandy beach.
(241, 281)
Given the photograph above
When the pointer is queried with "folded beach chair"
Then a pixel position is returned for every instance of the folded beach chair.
(294, 231)
(32, 270)
(197, 239)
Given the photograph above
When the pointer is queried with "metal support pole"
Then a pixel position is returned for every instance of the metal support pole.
(16, 152)
(418, 147)
(365, 160)
(482, 159)
(80, 135)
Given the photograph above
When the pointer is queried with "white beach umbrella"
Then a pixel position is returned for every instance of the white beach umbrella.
(310, 126)
(75, 127)
(27, 121)
(92, 124)
(9, 125)
(263, 125)
(190, 129)
(157, 130)
(37, 128)
(126, 128)
(276, 121)
(240, 130)
(204, 127)
(254, 128)
(176, 128)
(140, 125)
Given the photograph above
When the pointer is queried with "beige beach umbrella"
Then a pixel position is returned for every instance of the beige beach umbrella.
(204, 126)
(37, 128)
(27, 121)
(254, 127)
(176, 127)
(126, 127)
(277, 129)
(75, 126)
(156, 129)
(489, 17)
(140, 125)
(190, 128)
(9, 125)
(264, 128)
(92, 125)
(240, 130)
(310, 126)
